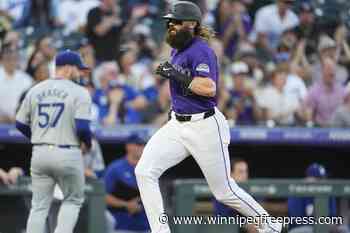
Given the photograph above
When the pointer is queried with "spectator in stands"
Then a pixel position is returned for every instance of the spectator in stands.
(232, 23)
(12, 9)
(241, 107)
(278, 106)
(44, 51)
(103, 75)
(247, 53)
(135, 74)
(146, 47)
(123, 197)
(299, 64)
(143, 8)
(304, 206)
(158, 106)
(295, 85)
(240, 173)
(87, 53)
(42, 15)
(104, 30)
(271, 21)
(11, 176)
(5, 26)
(125, 105)
(341, 117)
(13, 82)
(73, 14)
(328, 48)
(308, 30)
(324, 97)
(117, 101)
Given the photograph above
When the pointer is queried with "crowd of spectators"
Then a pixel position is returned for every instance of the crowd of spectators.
(283, 63)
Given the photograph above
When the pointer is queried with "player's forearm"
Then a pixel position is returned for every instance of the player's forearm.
(3, 174)
(203, 86)
(24, 129)
(115, 202)
(83, 131)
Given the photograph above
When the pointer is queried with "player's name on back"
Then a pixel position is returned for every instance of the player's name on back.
(59, 93)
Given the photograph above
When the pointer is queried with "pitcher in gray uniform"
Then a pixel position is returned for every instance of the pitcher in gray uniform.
(55, 116)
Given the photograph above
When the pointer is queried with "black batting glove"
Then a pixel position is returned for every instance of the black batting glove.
(168, 71)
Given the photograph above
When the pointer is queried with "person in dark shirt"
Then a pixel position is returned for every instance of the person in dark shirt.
(123, 197)
(103, 30)
(241, 107)
(308, 29)
(239, 172)
(304, 206)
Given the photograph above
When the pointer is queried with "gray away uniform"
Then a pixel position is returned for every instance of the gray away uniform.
(50, 109)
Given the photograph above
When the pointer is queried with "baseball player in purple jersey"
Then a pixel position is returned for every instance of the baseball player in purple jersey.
(196, 126)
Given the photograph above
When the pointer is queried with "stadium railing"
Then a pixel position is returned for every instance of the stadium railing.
(94, 202)
(187, 191)
(248, 134)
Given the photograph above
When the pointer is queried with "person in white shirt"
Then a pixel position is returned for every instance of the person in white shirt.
(13, 82)
(12, 8)
(295, 85)
(271, 21)
(73, 13)
(278, 106)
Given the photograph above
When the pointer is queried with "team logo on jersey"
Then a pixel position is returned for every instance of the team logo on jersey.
(182, 70)
(203, 68)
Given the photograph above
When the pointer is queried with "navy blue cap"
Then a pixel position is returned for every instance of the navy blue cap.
(316, 170)
(136, 139)
(72, 58)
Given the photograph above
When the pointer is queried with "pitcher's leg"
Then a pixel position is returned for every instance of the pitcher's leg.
(71, 182)
(42, 188)
(161, 152)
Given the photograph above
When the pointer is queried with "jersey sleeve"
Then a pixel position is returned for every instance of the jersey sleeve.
(203, 64)
(23, 114)
(83, 106)
(110, 178)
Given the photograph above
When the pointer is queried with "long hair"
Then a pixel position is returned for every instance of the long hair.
(204, 32)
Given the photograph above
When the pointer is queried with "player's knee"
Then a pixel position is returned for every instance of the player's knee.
(76, 201)
(141, 172)
(76, 198)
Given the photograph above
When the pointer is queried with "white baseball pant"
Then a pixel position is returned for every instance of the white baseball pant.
(207, 141)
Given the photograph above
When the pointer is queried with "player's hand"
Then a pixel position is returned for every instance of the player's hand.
(90, 173)
(116, 96)
(14, 173)
(133, 206)
(84, 148)
(166, 70)
(4, 177)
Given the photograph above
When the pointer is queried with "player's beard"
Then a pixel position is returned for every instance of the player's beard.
(180, 39)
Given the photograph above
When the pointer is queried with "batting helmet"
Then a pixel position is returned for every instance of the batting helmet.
(184, 10)
(316, 170)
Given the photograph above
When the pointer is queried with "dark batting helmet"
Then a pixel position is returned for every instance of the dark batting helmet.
(184, 10)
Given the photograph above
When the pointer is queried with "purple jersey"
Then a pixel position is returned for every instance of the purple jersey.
(198, 60)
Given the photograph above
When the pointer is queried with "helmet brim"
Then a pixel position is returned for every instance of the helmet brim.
(169, 16)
